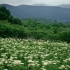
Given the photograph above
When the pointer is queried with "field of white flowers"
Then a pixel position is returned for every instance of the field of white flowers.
(31, 54)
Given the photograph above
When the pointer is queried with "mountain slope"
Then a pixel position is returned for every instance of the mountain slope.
(48, 12)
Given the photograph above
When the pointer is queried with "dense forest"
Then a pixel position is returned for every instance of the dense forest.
(14, 27)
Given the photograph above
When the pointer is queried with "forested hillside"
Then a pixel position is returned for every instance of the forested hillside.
(14, 27)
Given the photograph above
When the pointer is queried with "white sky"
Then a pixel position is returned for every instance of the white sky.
(30, 2)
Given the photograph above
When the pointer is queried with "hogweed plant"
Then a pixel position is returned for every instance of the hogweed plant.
(31, 54)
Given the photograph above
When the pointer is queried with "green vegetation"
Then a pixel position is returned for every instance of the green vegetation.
(30, 29)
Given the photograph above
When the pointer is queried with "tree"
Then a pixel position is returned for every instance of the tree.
(4, 13)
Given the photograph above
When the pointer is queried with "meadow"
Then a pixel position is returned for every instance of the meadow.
(32, 54)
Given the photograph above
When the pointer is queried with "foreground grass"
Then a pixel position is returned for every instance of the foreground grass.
(30, 54)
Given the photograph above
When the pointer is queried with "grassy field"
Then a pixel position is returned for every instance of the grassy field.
(31, 54)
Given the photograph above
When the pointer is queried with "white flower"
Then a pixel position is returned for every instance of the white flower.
(62, 67)
(17, 62)
(5, 69)
(46, 62)
(30, 61)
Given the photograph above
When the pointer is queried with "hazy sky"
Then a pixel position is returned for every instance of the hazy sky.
(29, 2)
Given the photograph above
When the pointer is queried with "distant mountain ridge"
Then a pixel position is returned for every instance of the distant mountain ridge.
(48, 12)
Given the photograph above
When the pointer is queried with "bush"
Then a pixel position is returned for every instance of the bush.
(7, 30)
(17, 21)
(65, 36)
(10, 19)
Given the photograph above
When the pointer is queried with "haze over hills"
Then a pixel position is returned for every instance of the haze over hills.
(65, 6)
(41, 4)
(47, 12)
